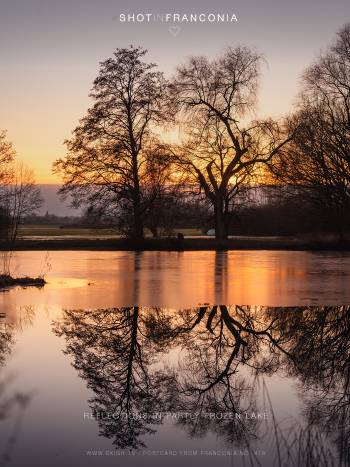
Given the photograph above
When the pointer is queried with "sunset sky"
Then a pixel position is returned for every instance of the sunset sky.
(50, 50)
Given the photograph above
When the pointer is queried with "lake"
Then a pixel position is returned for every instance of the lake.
(191, 358)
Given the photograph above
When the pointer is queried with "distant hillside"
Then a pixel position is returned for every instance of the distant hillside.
(53, 204)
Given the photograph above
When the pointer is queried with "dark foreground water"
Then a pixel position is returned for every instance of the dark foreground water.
(144, 359)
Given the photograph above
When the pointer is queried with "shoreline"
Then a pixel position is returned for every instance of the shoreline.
(187, 244)
(7, 281)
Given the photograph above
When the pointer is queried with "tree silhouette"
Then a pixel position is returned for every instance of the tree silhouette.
(222, 153)
(112, 149)
(317, 162)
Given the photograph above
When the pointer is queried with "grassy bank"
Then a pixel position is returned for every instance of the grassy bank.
(30, 231)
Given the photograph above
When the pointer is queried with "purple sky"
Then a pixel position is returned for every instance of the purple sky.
(50, 52)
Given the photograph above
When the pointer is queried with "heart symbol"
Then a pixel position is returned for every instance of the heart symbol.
(174, 30)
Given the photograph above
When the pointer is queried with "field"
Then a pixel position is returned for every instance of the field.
(47, 230)
(33, 230)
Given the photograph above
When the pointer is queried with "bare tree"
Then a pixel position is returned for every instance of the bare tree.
(160, 188)
(223, 149)
(109, 153)
(6, 148)
(7, 156)
(205, 160)
(21, 198)
(318, 160)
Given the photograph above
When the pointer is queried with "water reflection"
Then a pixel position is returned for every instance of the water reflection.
(12, 402)
(208, 365)
(10, 323)
(90, 279)
(6, 339)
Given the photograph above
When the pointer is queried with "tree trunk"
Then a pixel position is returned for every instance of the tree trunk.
(138, 222)
(220, 225)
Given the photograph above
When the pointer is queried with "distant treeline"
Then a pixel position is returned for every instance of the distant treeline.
(261, 211)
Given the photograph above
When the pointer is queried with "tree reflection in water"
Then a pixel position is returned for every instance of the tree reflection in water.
(211, 360)
(320, 345)
(12, 404)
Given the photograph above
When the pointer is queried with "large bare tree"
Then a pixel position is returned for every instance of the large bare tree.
(224, 148)
(110, 150)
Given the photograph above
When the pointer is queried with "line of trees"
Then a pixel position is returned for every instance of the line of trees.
(117, 162)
